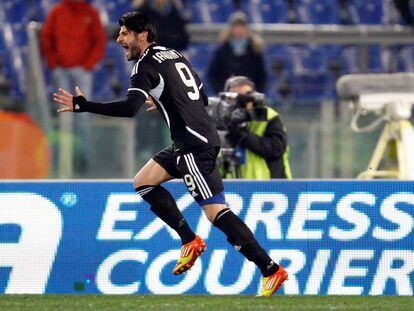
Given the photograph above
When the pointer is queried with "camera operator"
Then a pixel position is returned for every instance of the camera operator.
(257, 134)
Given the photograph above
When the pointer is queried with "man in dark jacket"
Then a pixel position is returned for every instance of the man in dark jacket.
(241, 53)
(403, 6)
(259, 132)
(167, 18)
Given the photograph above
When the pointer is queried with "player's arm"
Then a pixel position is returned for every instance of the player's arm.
(144, 78)
(120, 108)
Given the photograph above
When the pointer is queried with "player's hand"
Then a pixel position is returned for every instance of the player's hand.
(151, 104)
(65, 98)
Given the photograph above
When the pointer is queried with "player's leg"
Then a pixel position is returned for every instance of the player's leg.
(243, 240)
(147, 183)
(240, 236)
(204, 182)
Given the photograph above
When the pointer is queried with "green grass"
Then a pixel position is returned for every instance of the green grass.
(194, 302)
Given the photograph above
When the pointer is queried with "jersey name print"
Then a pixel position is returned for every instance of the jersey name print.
(164, 55)
(166, 76)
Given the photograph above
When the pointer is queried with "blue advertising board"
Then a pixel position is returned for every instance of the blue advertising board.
(333, 237)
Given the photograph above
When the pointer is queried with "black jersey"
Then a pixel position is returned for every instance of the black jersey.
(166, 76)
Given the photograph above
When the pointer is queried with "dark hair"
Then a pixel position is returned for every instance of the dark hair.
(139, 22)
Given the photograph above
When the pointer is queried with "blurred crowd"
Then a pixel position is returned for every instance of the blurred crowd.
(77, 50)
(279, 76)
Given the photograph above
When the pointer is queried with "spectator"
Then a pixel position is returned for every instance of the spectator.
(403, 6)
(240, 53)
(137, 4)
(257, 133)
(169, 22)
(73, 42)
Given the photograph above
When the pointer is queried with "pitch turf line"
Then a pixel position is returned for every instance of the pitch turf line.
(196, 302)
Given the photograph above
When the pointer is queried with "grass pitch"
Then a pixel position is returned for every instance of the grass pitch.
(195, 302)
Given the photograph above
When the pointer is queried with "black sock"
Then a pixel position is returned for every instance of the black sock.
(163, 205)
(242, 238)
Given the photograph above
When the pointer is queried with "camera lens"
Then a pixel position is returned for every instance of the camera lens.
(243, 99)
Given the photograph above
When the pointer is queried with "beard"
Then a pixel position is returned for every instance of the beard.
(133, 52)
(132, 55)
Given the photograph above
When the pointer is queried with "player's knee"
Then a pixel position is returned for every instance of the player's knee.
(151, 174)
(138, 181)
(210, 215)
(211, 210)
(213, 205)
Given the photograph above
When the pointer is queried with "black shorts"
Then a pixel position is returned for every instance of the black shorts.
(198, 170)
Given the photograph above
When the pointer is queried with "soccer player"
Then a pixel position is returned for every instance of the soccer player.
(163, 76)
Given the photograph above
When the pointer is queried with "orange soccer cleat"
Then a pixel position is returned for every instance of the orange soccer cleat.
(189, 254)
(273, 282)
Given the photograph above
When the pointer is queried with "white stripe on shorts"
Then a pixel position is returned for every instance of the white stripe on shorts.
(196, 179)
(209, 194)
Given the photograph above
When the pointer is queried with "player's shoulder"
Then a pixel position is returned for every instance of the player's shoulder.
(144, 63)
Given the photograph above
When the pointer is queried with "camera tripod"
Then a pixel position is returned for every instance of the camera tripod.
(230, 163)
(397, 138)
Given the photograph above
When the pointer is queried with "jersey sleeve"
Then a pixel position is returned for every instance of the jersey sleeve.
(119, 108)
(144, 77)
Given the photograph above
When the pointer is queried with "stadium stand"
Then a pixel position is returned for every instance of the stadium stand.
(200, 55)
(211, 11)
(13, 45)
(368, 12)
(110, 77)
(114, 9)
(273, 11)
(301, 72)
(318, 12)
(406, 61)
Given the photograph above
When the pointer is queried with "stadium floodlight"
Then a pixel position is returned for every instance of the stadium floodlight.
(390, 97)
